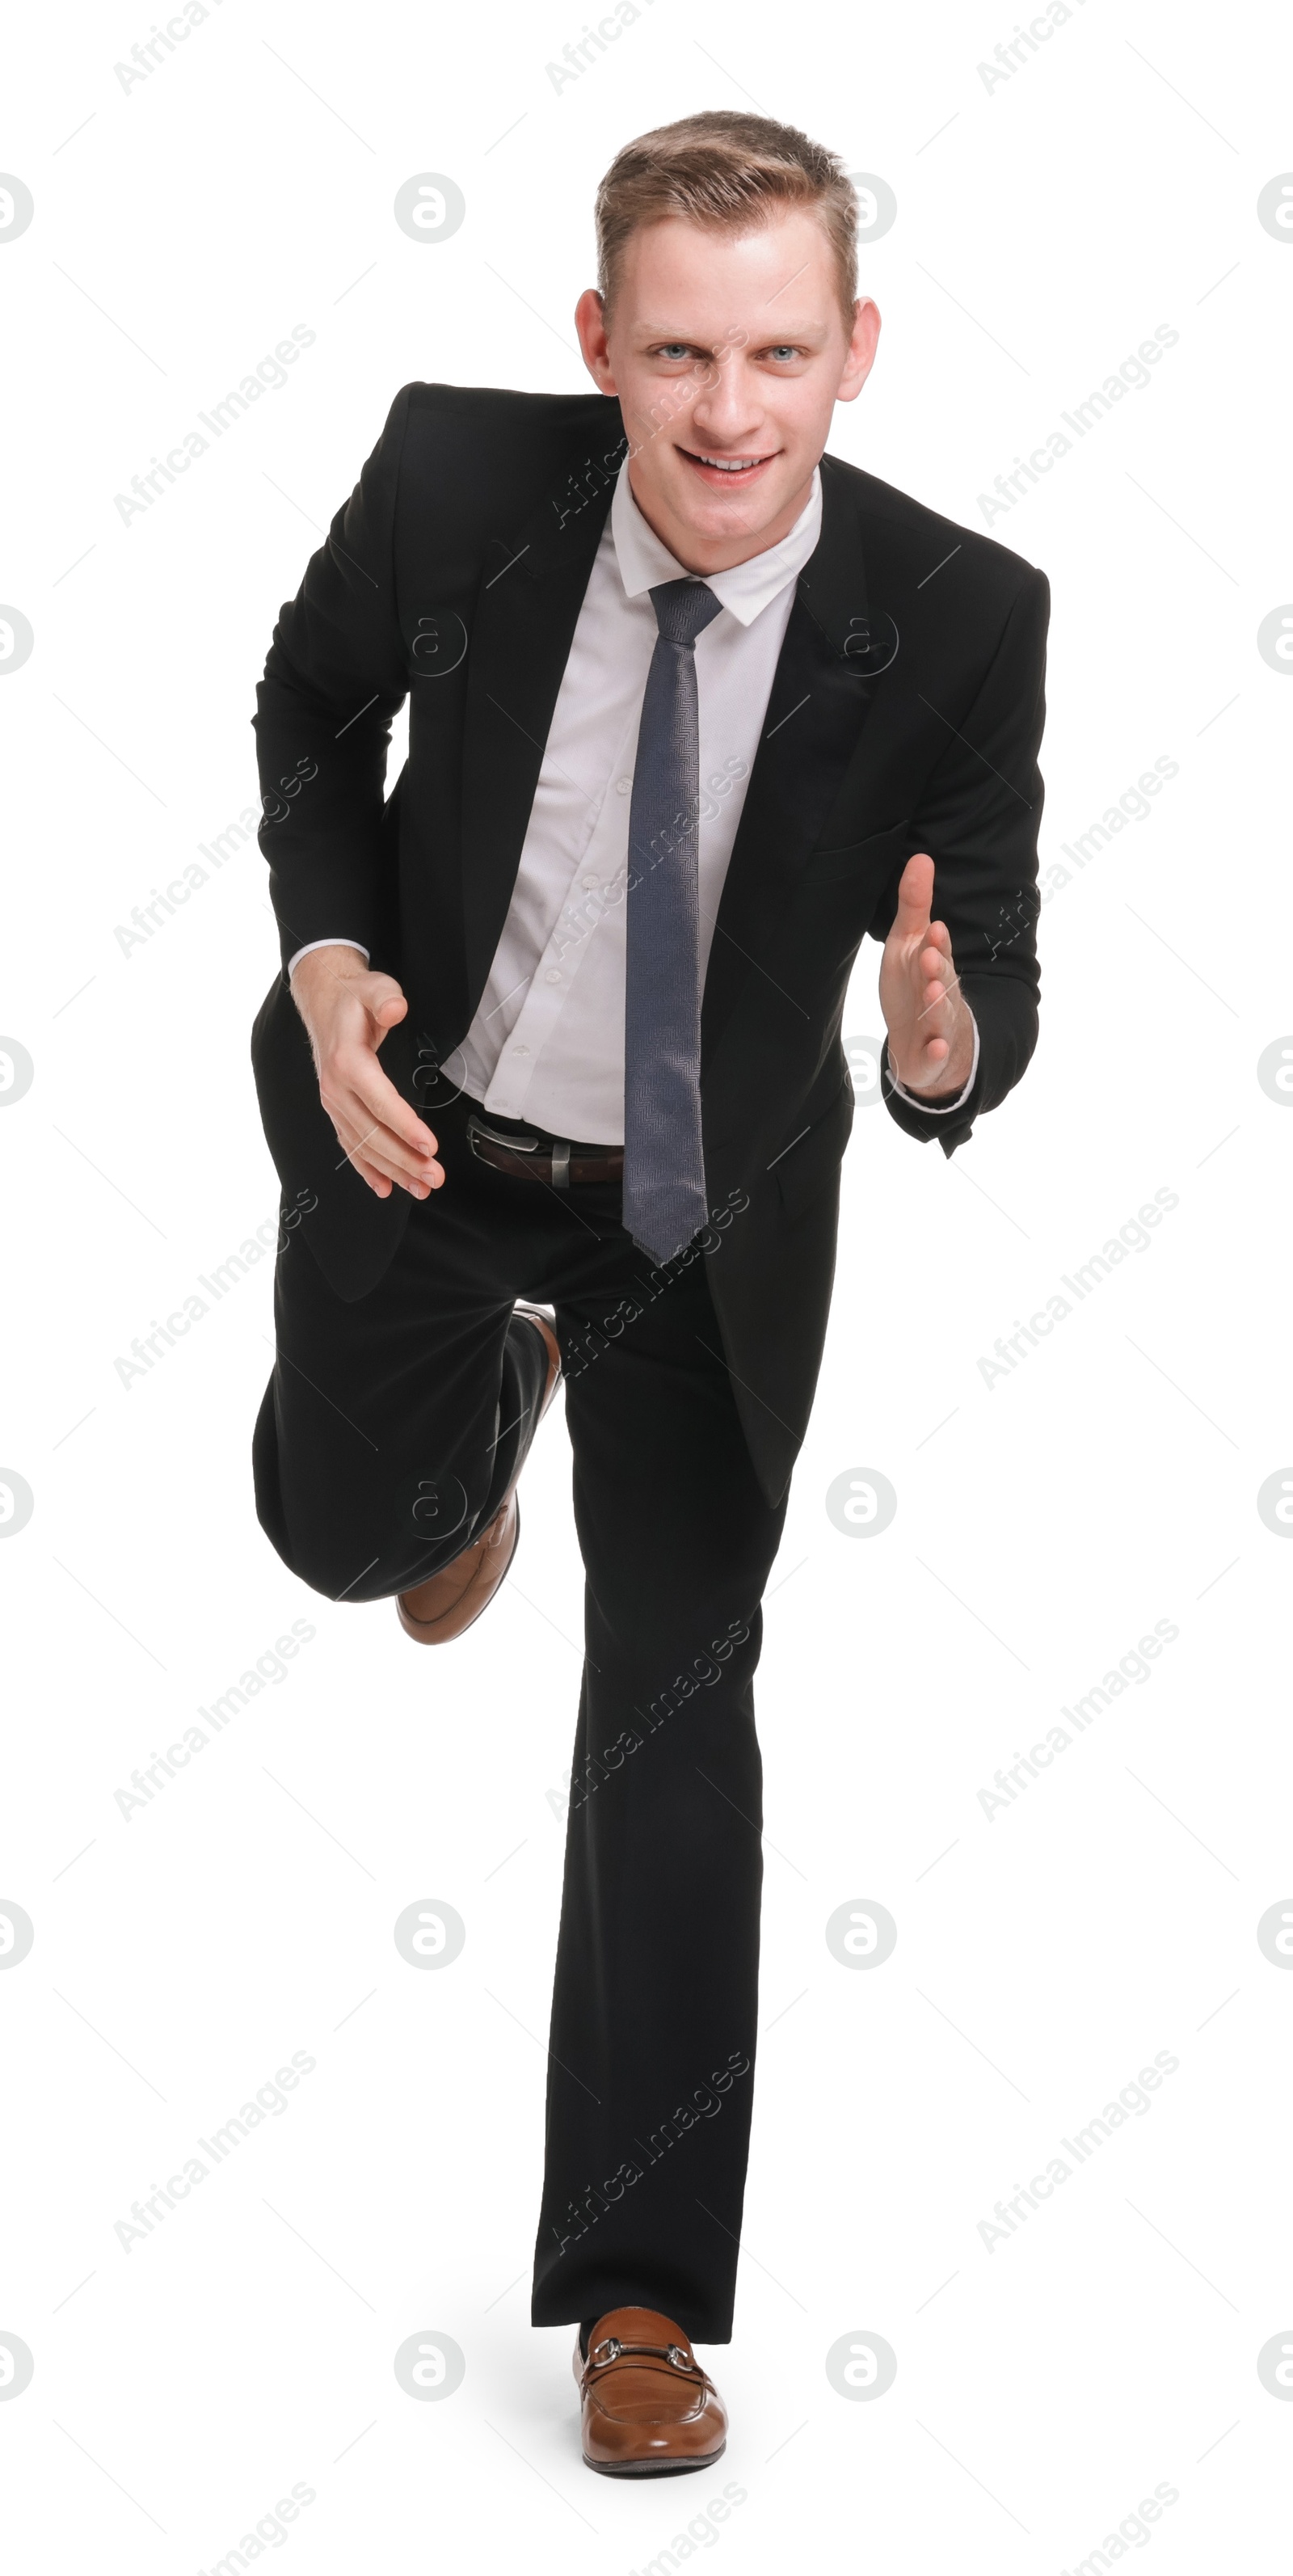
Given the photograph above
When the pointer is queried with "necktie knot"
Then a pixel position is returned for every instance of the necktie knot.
(683, 609)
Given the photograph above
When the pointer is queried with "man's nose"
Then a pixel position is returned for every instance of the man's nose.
(726, 406)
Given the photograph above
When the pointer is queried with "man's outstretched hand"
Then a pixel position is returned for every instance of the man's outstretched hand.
(347, 1012)
(931, 1029)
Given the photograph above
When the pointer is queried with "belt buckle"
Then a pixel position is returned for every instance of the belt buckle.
(511, 1144)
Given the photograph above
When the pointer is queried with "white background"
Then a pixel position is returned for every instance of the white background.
(1046, 226)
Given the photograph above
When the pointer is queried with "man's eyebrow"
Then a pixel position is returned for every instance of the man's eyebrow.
(781, 330)
(772, 334)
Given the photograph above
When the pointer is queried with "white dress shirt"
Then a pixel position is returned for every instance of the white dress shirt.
(547, 1042)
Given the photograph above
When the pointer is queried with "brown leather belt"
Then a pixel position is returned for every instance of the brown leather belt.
(558, 1162)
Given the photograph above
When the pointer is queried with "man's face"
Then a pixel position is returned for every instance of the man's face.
(728, 352)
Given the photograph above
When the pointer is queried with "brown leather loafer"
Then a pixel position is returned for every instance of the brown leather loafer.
(649, 2410)
(440, 1609)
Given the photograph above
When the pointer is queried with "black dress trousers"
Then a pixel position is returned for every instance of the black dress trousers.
(390, 1430)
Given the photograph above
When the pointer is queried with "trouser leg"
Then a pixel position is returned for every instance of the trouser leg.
(392, 1426)
(653, 2026)
(388, 1435)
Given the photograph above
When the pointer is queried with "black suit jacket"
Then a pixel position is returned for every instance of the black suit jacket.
(906, 714)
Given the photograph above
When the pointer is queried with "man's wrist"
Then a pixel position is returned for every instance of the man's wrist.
(952, 1096)
(338, 949)
(320, 977)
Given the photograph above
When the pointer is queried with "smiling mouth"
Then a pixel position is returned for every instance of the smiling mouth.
(726, 469)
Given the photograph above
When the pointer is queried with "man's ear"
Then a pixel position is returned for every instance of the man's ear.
(590, 323)
(861, 349)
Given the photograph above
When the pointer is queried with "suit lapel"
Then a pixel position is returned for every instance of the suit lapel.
(822, 692)
(524, 623)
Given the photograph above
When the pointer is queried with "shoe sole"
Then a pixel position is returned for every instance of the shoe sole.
(652, 2468)
(425, 1632)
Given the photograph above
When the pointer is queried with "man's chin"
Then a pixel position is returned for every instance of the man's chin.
(741, 516)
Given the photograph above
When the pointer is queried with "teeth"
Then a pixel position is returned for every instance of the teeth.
(731, 465)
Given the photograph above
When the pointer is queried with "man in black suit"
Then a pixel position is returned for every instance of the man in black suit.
(694, 706)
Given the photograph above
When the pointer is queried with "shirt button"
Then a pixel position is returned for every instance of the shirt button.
(518, 1050)
(589, 883)
(553, 975)
(622, 786)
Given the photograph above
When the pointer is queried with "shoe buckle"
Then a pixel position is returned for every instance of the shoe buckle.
(600, 2354)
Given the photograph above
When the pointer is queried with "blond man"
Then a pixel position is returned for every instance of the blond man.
(694, 707)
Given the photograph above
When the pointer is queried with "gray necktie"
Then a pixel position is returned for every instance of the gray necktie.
(664, 1171)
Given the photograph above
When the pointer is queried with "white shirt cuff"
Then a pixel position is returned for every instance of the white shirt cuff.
(937, 1108)
(312, 944)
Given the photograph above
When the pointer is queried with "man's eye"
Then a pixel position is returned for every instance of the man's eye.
(783, 350)
(675, 349)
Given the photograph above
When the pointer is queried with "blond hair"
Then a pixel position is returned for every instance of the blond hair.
(727, 171)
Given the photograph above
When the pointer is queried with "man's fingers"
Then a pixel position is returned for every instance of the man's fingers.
(365, 1138)
(380, 1133)
(940, 977)
(370, 1140)
(359, 1078)
(376, 1145)
(920, 990)
(915, 895)
(349, 1014)
(381, 1171)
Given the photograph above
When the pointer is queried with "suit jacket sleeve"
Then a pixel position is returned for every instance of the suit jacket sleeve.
(335, 676)
(979, 819)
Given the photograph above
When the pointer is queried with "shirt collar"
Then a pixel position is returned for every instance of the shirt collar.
(745, 588)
